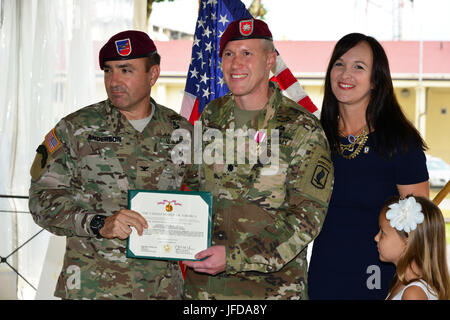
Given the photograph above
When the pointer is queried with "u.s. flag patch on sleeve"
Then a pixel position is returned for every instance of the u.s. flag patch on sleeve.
(51, 141)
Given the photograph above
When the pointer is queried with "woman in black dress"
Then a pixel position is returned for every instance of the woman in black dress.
(377, 153)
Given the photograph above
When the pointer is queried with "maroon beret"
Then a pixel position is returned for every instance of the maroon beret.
(127, 45)
(244, 29)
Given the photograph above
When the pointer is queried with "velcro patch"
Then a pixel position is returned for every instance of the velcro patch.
(321, 172)
(39, 163)
(319, 175)
(51, 141)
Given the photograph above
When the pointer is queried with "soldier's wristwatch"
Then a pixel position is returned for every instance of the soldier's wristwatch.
(97, 222)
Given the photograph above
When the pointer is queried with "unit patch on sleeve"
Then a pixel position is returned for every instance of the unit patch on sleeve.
(44, 154)
(320, 177)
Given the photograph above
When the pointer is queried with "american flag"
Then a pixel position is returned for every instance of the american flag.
(205, 81)
(51, 140)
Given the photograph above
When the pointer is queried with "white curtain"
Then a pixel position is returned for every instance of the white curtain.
(48, 69)
(9, 45)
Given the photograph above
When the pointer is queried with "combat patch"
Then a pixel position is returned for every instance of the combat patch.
(44, 153)
(320, 176)
(40, 160)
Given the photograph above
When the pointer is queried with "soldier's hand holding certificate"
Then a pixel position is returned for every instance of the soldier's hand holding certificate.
(179, 224)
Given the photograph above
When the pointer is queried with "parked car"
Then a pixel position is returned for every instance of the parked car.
(438, 170)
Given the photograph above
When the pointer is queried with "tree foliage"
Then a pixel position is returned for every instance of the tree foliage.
(257, 9)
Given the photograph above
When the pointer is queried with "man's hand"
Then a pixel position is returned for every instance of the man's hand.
(118, 225)
(214, 264)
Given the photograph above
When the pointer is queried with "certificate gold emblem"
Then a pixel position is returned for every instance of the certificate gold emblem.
(167, 248)
(170, 204)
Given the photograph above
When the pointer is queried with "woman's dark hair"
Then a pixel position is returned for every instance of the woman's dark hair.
(392, 129)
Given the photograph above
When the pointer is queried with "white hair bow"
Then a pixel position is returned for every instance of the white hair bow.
(405, 215)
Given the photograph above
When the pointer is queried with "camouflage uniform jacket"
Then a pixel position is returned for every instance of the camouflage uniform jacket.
(92, 158)
(265, 219)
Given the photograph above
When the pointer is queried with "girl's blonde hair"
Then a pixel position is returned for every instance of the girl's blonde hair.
(426, 248)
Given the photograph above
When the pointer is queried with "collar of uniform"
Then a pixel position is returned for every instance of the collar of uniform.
(224, 115)
(163, 122)
(264, 119)
(117, 120)
(156, 118)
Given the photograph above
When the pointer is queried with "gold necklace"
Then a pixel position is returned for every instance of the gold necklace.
(355, 145)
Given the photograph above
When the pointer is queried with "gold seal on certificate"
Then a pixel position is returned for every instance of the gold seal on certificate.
(179, 224)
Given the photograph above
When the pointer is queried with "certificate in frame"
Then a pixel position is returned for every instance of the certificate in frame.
(179, 224)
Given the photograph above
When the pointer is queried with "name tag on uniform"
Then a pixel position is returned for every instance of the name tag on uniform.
(111, 139)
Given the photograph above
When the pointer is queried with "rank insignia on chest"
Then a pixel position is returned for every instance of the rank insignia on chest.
(123, 47)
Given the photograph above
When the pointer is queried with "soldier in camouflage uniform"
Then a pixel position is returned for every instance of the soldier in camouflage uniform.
(263, 219)
(85, 167)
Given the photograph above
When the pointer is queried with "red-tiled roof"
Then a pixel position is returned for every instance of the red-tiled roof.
(311, 57)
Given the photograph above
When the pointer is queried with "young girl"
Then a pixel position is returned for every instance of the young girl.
(412, 236)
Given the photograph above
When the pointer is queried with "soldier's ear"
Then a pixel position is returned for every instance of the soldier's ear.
(154, 74)
(271, 59)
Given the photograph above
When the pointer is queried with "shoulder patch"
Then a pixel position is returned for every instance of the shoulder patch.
(51, 141)
(44, 154)
(40, 161)
(320, 177)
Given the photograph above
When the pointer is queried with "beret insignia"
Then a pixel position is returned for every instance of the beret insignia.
(123, 47)
(246, 27)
